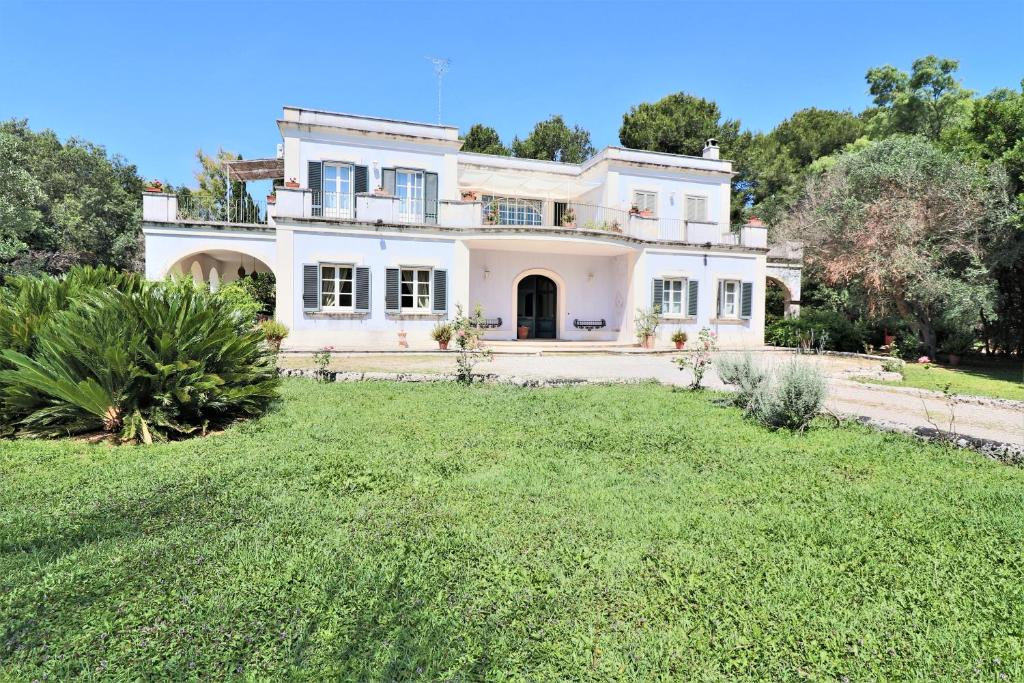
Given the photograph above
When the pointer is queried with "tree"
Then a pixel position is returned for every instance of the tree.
(553, 140)
(483, 139)
(678, 124)
(907, 223)
(927, 101)
(210, 200)
(64, 204)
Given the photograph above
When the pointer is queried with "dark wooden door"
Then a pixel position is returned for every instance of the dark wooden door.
(537, 299)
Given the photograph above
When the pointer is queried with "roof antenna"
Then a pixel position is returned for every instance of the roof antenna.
(440, 67)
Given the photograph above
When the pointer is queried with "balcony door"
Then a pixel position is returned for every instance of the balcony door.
(537, 299)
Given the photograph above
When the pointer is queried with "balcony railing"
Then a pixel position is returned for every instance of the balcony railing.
(193, 207)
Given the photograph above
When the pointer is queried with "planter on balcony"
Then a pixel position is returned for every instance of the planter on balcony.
(271, 198)
(469, 196)
(292, 184)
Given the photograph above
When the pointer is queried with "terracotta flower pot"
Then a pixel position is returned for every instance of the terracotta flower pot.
(523, 332)
(679, 344)
(648, 342)
(271, 198)
(402, 341)
(291, 184)
(443, 345)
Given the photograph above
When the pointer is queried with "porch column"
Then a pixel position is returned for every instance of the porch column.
(460, 276)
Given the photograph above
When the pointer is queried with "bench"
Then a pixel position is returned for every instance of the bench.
(589, 325)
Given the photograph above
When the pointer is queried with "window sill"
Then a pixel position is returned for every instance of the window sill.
(426, 315)
(729, 321)
(336, 315)
(679, 318)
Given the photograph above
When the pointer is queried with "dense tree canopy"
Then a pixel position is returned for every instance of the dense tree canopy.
(64, 203)
(927, 101)
(483, 139)
(553, 140)
(678, 123)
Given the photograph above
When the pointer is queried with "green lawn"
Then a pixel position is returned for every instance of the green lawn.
(437, 532)
(998, 381)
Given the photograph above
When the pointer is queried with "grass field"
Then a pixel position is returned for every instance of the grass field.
(437, 532)
(998, 381)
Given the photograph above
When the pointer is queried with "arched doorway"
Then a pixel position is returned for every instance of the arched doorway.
(536, 306)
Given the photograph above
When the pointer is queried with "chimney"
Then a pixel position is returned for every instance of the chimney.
(710, 149)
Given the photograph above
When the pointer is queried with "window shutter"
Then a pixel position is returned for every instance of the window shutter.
(361, 180)
(392, 300)
(721, 296)
(315, 182)
(387, 181)
(747, 299)
(440, 291)
(311, 287)
(658, 294)
(691, 301)
(430, 198)
(362, 289)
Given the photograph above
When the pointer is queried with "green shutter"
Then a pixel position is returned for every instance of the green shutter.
(691, 301)
(310, 287)
(746, 299)
(387, 181)
(361, 180)
(315, 182)
(430, 198)
(362, 290)
(392, 300)
(657, 294)
(440, 291)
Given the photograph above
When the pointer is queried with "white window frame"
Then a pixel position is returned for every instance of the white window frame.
(417, 273)
(686, 208)
(646, 200)
(338, 190)
(411, 205)
(667, 290)
(515, 210)
(337, 280)
(723, 286)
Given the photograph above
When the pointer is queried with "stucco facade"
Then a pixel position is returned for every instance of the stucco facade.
(383, 227)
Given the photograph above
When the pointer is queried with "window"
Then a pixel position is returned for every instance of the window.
(697, 209)
(415, 289)
(335, 286)
(337, 201)
(514, 210)
(728, 298)
(409, 190)
(646, 201)
(673, 293)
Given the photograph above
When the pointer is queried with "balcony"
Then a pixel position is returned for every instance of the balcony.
(447, 214)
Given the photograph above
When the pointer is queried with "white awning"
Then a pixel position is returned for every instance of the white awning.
(524, 183)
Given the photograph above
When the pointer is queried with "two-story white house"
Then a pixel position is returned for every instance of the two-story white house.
(383, 227)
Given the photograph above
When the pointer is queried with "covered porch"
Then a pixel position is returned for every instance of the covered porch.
(552, 289)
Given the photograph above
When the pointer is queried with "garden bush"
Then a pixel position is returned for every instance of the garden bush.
(139, 361)
(744, 374)
(791, 399)
(839, 333)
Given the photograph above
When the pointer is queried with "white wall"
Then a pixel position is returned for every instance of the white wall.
(744, 267)
(376, 329)
(589, 287)
(165, 247)
(666, 185)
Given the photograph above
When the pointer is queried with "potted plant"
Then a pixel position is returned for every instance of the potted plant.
(569, 218)
(490, 216)
(647, 321)
(442, 334)
(679, 338)
(274, 333)
(292, 184)
(469, 195)
(634, 210)
(958, 344)
(523, 332)
(403, 342)
(154, 186)
(646, 213)
(380, 192)
(272, 197)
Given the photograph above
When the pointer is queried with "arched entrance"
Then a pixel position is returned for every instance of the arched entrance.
(537, 306)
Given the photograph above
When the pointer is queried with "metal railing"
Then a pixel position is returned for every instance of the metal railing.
(193, 207)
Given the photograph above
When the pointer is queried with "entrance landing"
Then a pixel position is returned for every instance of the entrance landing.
(536, 347)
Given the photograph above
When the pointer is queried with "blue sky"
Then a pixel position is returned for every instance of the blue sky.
(155, 81)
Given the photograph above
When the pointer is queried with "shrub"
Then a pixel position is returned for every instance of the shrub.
(699, 359)
(238, 298)
(647, 321)
(830, 331)
(744, 374)
(143, 363)
(274, 333)
(893, 364)
(262, 287)
(467, 331)
(322, 359)
(791, 399)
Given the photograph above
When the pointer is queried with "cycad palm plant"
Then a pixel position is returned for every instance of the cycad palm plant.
(142, 363)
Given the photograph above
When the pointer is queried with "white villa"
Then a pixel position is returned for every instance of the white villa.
(382, 227)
